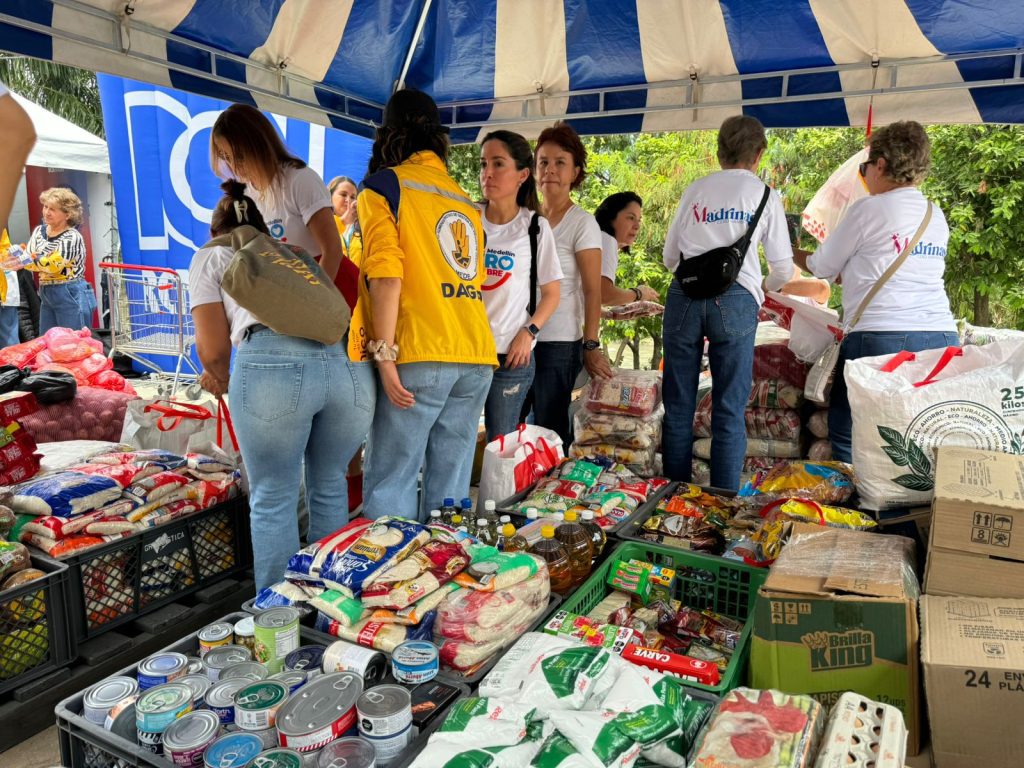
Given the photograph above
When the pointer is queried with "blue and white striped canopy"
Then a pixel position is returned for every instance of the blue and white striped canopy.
(609, 66)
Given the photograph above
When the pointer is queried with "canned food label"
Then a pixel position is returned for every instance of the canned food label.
(390, 747)
(188, 758)
(151, 742)
(370, 631)
(318, 738)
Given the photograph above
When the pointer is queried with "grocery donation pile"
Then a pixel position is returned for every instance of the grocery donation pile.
(70, 352)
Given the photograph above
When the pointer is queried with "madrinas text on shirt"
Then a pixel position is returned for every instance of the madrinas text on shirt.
(702, 216)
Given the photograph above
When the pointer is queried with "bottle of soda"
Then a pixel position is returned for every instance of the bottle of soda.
(553, 552)
(484, 532)
(513, 542)
(576, 540)
(448, 509)
(467, 511)
(597, 535)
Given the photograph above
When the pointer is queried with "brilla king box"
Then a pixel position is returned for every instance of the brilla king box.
(977, 534)
(972, 649)
(838, 613)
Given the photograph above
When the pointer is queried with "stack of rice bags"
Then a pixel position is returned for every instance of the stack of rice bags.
(621, 419)
(773, 414)
(18, 458)
(551, 701)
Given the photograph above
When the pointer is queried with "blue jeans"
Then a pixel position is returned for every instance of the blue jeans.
(66, 305)
(504, 405)
(437, 435)
(558, 363)
(295, 399)
(9, 326)
(728, 322)
(871, 344)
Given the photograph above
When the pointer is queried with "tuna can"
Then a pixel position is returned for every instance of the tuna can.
(195, 666)
(319, 712)
(387, 748)
(199, 684)
(101, 698)
(160, 669)
(279, 757)
(277, 635)
(220, 699)
(308, 658)
(268, 737)
(186, 739)
(343, 656)
(294, 680)
(245, 634)
(257, 703)
(222, 657)
(347, 753)
(247, 670)
(156, 709)
(414, 662)
(214, 636)
(385, 720)
(234, 750)
(121, 720)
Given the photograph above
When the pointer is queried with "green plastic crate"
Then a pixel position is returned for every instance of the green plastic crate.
(702, 581)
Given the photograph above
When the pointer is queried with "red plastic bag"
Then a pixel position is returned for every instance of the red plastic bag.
(66, 345)
(21, 355)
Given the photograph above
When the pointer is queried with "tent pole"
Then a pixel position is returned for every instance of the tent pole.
(400, 83)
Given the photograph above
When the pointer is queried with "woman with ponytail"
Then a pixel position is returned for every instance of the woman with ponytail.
(298, 404)
(516, 261)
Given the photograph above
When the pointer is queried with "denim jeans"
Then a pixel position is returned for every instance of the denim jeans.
(66, 305)
(437, 435)
(728, 322)
(9, 326)
(871, 344)
(292, 400)
(504, 405)
(558, 363)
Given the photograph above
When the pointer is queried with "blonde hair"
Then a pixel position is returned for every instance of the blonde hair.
(906, 150)
(66, 200)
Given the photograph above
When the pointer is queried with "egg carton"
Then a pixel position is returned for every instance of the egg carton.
(862, 733)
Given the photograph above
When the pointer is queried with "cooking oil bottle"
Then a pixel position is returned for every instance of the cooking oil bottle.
(576, 540)
(597, 535)
(559, 571)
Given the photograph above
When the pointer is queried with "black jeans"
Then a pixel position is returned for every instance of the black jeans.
(558, 365)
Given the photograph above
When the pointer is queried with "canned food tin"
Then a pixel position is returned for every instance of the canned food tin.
(387, 748)
(414, 662)
(234, 750)
(268, 736)
(199, 684)
(214, 636)
(222, 657)
(279, 757)
(308, 658)
(347, 753)
(384, 710)
(277, 635)
(294, 680)
(195, 666)
(101, 698)
(319, 712)
(342, 656)
(257, 703)
(186, 739)
(161, 668)
(247, 670)
(121, 720)
(156, 709)
(221, 698)
(245, 634)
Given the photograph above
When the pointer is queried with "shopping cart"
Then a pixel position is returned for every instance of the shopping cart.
(150, 315)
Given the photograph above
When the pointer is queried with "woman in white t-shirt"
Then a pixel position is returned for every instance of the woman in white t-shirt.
(516, 317)
(569, 340)
(619, 217)
(299, 406)
(911, 311)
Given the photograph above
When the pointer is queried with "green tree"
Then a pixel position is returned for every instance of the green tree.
(69, 92)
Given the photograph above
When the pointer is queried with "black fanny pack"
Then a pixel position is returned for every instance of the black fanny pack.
(711, 273)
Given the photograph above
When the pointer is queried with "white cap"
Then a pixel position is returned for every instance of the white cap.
(531, 513)
(481, 522)
(559, 516)
(505, 519)
(490, 506)
(435, 513)
(463, 528)
(588, 514)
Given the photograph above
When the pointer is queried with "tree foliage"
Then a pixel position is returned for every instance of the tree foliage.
(69, 92)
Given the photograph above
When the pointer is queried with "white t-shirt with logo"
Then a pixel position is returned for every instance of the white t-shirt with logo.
(577, 231)
(204, 276)
(715, 211)
(609, 256)
(506, 288)
(868, 239)
(299, 193)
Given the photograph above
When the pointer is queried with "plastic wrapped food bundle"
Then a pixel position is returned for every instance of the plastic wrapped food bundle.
(820, 450)
(774, 394)
(825, 481)
(641, 461)
(641, 433)
(762, 423)
(775, 449)
(486, 616)
(632, 310)
(633, 393)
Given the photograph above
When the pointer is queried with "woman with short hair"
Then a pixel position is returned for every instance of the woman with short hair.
(619, 217)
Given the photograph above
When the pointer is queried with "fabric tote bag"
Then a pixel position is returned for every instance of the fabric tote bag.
(167, 424)
(514, 462)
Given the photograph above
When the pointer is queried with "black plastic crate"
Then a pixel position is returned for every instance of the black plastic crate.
(127, 578)
(84, 744)
(34, 632)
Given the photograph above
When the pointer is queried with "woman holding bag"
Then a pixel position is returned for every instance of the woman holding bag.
(294, 399)
(909, 310)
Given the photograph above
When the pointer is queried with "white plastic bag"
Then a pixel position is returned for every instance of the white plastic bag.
(812, 327)
(904, 406)
(830, 203)
(514, 462)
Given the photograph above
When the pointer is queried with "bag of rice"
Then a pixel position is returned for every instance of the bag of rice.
(167, 512)
(502, 723)
(375, 634)
(414, 613)
(123, 474)
(145, 513)
(64, 494)
(155, 487)
(153, 456)
(339, 606)
(481, 616)
(284, 593)
(467, 656)
(109, 525)
(421, 573)
(491, 570)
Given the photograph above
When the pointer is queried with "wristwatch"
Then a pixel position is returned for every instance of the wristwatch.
(638, 293)
(532, 329)
(590, 345)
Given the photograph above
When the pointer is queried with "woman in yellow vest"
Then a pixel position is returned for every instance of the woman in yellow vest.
(420, 315)
(343, 200)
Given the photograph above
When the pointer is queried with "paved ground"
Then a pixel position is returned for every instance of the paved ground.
(40, 751)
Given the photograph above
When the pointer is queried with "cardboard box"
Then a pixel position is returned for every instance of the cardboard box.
(977, 535)
(838, 613)
(972, 650)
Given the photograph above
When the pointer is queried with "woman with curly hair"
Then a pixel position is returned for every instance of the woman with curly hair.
(420, 316)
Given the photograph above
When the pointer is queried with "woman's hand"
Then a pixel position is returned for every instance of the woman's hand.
(597, 364)
(519, 350)
(213, 385)
(648, 294)
(399, 396)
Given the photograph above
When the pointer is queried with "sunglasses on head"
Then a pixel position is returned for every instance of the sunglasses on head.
(863, 167)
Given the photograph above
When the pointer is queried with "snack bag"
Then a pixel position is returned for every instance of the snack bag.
(826, 481)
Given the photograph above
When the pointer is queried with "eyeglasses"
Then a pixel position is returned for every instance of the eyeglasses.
(863, 167)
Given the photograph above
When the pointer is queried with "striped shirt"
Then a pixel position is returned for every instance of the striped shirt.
(71, 247)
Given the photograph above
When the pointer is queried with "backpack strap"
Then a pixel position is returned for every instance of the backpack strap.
(220, 240)
(744, 242)
(533, 231)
